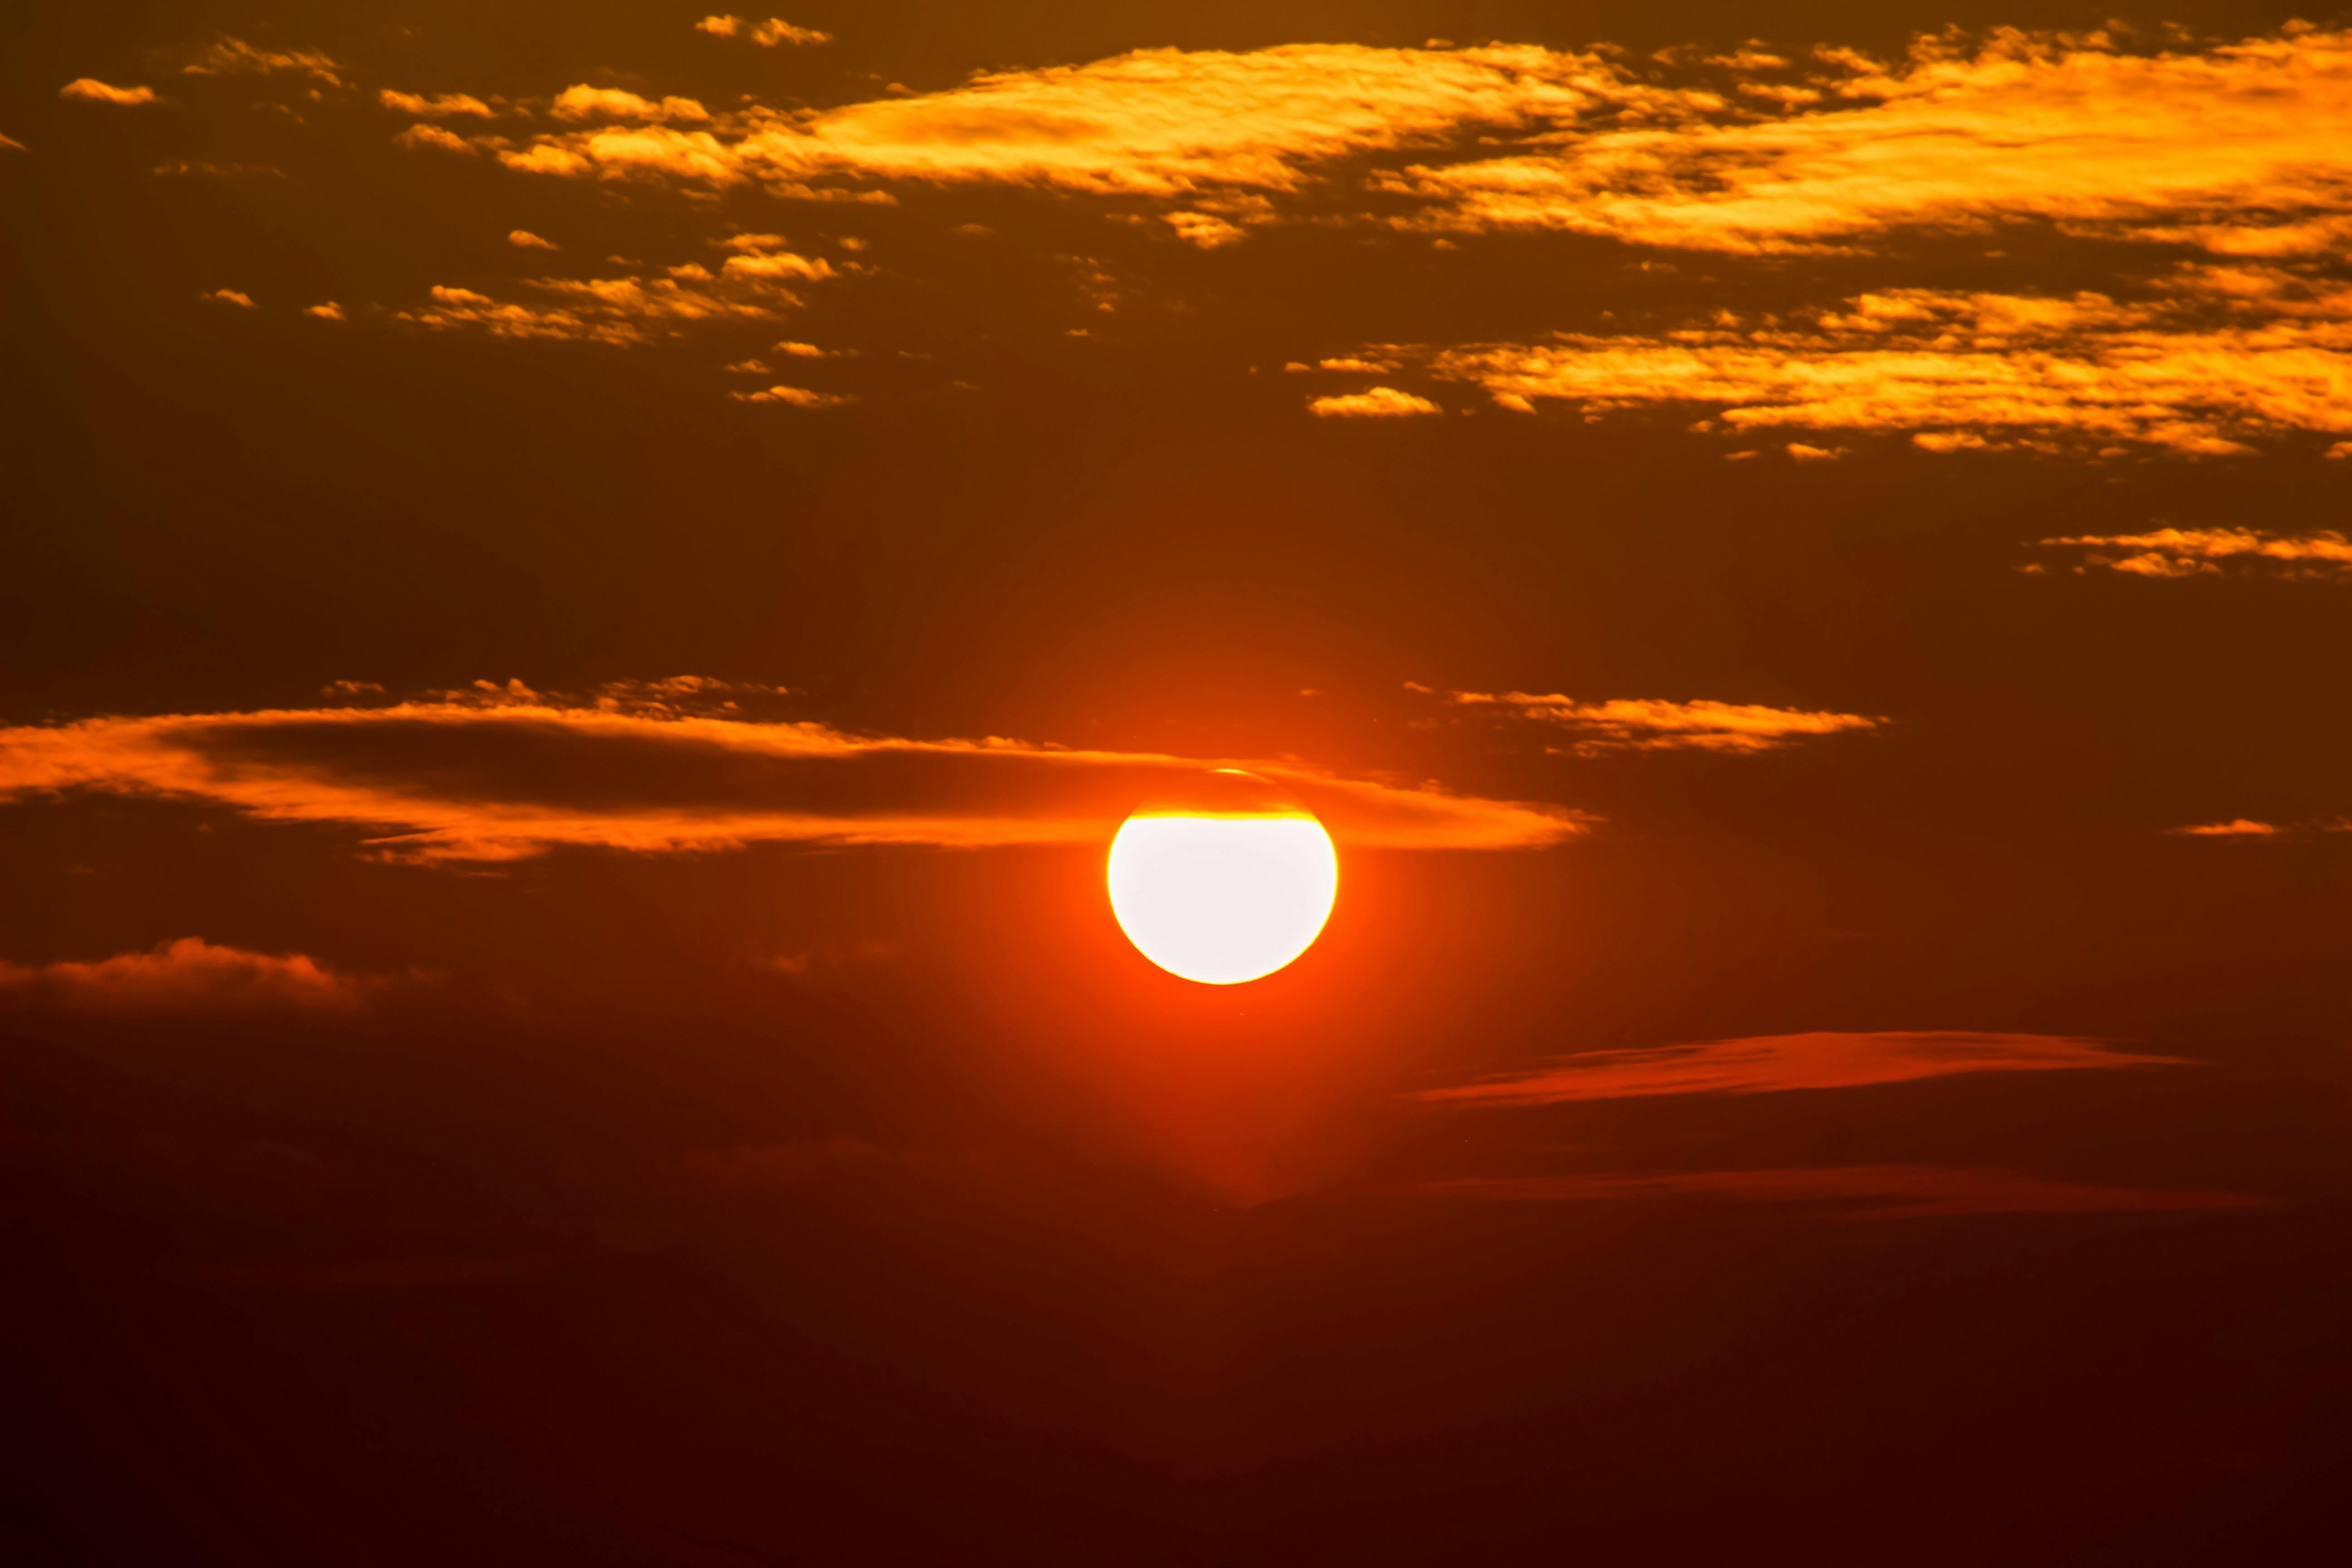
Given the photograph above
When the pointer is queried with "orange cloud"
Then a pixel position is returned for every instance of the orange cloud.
(424, 135)
(89, 90)
(626, 310)
(229, 297)
(2246, 827)
(1851, 1192)
(2212, 552)
(2248, 146)
(527, 240)
(1648, 724)
(798, 396)
(584, 103)
(1773, 1063)
(1977, 371)
(1379, 403)
(10, 144)
(234, 56)
(767, 35)
(505, 773)
(445, 103)
(190, 976)
(329, 311)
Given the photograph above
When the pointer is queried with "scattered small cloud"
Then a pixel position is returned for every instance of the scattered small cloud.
(1804, 454)
(1379, 403)
(329, 311)
(750, 367)
(1650, 724)
(234, 56)
(438, 107)
(584, 103)
(2324, 556)
(797, 397)
(190, 976)
(767, 35)
(1774, 1063)
(89, 90)
(424, 135)
(527, 240)
(1205, 229)
(229, 297)
(2247, 828)
(10, 144)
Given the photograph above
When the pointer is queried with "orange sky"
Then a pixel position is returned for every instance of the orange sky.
(587, 585)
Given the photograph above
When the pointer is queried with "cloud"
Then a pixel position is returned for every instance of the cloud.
(2246, 827)
(529, 241)
(584, 103)
(2244, 148)
(767, 34)
(1649, 724)
(190, 976)
(329, 312)
(2214, 551)
(234, 56)
(627, 311)
(1773, 1063)
(424, 135)
(89, 90)
(798, 396)
(1851, 1192)
(1379, 403)
(505, 773)
(1978, 371)
(445, 104)
(229, 297)
(10, 144)
(1205, 229)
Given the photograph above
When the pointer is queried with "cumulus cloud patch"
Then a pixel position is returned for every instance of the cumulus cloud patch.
(439, 106)
(1379, 402)
(1775, 1063)
(89, 90)
(2163, 553)
(504, 774)
(767, 35)
(190, 976)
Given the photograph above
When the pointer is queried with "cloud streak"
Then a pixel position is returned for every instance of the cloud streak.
(510, 776)
(1772, 1064)
(2163, 553)
(1649, 725)
(1850, 1192)
(190, 976)
(89, 90)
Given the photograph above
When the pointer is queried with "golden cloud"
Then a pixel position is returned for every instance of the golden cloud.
(627, 311)
(1379, 403)
(190, 976)
(89, 90)
(505, 773)
(234, 56)
(584, 103)
(767, 35)
(229, 297)
(1650, 725)
(2247, 146)
(1850, 1192)
(1773, 1063)
(797, 397)
(444, 104)
(423, 135)
(527, 240)
(2212, 552)
(1978, 371)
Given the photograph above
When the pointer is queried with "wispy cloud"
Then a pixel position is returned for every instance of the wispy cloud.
(1379, 403)
(524, 240)
(1769, 1064)
(1850, 1192)
(1649, 724)
(234, 56)
(506, 774)
(767, 35)
(2213, 552)
(2247, 828)
(584, 103)
(796, 396)
(229, 297)
(190, 976)
(628, 310)
(89, 90)
(10, 144)
(439, 106)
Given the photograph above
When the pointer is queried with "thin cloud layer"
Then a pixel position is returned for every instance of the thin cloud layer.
(2325, 556)
(1645, 724)
(89, 90)
(190, 976)
(2244, 149)
(510, 775)
(749, 286)
(767, 35)
(1850, 1192)
(2218, 358)
(1771, 1064)
(1379, 403)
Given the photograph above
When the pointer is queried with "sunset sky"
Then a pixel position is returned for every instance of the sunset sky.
(586, 586)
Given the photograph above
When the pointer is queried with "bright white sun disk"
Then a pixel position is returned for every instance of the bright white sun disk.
(1222, 899)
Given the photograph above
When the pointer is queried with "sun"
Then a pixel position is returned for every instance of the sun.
(1224, 882)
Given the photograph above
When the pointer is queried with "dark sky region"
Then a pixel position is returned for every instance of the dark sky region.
(584, 586)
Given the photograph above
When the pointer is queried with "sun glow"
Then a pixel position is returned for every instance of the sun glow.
(1223, 897)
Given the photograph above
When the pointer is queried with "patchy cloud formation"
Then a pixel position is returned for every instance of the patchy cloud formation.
(229, 297)
(438, 107)
(234, 56)
(89, 90)
(629, 311)
(424, 135)
(1850, 1192)
(504, 773)
(612, 103)
(767, 35)
(190, 976)
(1647, 724)
(797, 397)
(1979, 371)
(1773, 1063)
(328, 311)
(2246, 827)
(527, 240)
(2214, 551)
(1379, 403)
(2245, 149)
